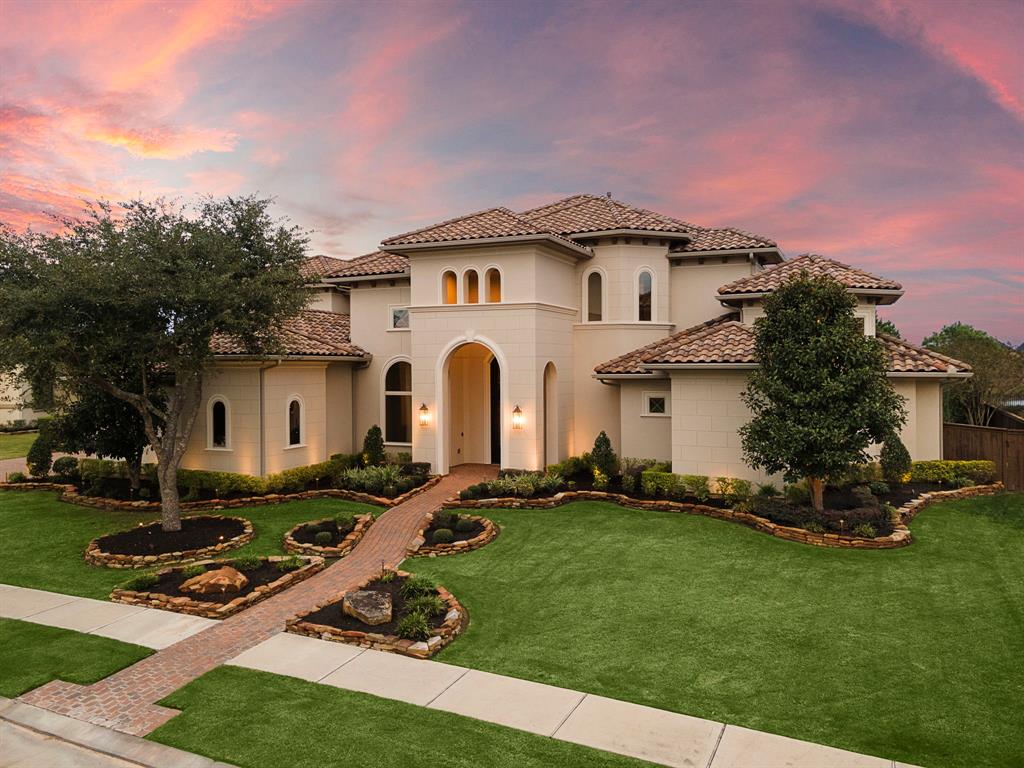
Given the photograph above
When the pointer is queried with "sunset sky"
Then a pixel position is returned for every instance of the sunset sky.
(888, 134)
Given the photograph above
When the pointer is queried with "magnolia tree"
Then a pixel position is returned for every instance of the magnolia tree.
(143, 289)
(819, 396)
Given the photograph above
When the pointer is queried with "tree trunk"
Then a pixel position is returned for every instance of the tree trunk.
(133, 466)
(817, 486)
(170, 502)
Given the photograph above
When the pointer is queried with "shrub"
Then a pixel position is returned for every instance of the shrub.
(40, 456)
(603, 457)
(628, 483)
(66, 468)
(323, 538)
(413, 626)
(656, 484)
(428, 605)
(16, 477)
(814, 526)
(370, 479)
(191, 571)
(767, 490)
(345, 522)
(550, 483)
(879, 488)
(698, 486)
(414, 468)
(373, 448)
(574, 467)
(894, 459)
(798, 493)
(289, 564)
(442, 536)
(464, 525)
(959, 481)
(864, 530)
(144, 493)
(386, 577)
(142, 582)
(414, 586)
(401, 457)
(980, 472)
(733, 489)
(600, 480)
(247, 563)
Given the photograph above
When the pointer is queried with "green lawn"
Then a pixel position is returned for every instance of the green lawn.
(256, 719)
(16, 446)
(913, 654)
(32, 655)
(42, 539)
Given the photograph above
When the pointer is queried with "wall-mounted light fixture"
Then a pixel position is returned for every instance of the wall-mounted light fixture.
(517, 418)
(424, 415)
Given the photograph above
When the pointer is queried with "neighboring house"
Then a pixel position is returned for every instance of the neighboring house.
(514, 338)
(16, 401)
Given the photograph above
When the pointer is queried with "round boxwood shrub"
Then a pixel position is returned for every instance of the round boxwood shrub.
(66, 467)
(16, 477)
(894, 459)
(442, 536)
(464, 525)
(323, 538)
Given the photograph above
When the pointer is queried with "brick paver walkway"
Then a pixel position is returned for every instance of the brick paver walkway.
(125, 700)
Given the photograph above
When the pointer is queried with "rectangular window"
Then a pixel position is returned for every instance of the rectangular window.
(398, 418)
(655, 404)
(400, 318)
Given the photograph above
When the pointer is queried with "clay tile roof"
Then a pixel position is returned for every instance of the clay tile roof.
(906, 357)
(726, 239)
(318, 266)
(772, 278)
(494, 222)
(632, 362)
(580, 214)
(312, 332)
(376, 263)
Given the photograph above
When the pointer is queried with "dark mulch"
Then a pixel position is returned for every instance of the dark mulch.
(900, 494)
(195, 533)
(169, 583)
(457, 535)
(782, 512)
(307, 533)
(332, 616)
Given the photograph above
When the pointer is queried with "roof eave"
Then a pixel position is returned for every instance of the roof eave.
(696, 366)
(403, 249)
(929, 374)
(762, 250)
(359, 278)
(646, 376)
(892, 295)
(630, 232)
(296, 358)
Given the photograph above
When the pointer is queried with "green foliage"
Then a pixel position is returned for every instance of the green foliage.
(16, 477)
(814, 526)
(887, 327)
(879, 488)
(574, 467)
(247, 563)
(797, 493)
(864, 530)
(658, 484)
(600, 480)
(734, 490)
(386, 577)
(323, 538)
(66, 468)
(374, 454)
(40, 455)
(442, 536)
(980, 472)
(345, 522)
(292, 563)
(629, 484)
(960, 481)
(191, 571)
(414, 586)
(767, 490)
(894, 459)
(819, 397)
(464, 525)
(603, 457)
(429, 605)
(142, 582)
(371, 479)
(414, 626)
(698, 486)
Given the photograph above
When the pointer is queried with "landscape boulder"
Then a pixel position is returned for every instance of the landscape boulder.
(218, 581)
(369, 607)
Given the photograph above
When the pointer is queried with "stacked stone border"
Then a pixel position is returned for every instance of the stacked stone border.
(210, 610)
(455, 621)
(95, 556)
(900, 537)
(419, 547)
(362, 523)
(71, 495)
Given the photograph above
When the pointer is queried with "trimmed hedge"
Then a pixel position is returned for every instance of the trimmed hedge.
(946, 472)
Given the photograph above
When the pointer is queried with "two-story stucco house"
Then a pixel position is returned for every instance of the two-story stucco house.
(514, 338)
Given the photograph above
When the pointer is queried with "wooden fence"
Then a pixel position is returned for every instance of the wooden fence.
(1004, 447)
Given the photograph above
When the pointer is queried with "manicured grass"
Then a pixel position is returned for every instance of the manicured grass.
(32, 655)
(256, 719)
(42, 539)
(16, 446)
(912, 654)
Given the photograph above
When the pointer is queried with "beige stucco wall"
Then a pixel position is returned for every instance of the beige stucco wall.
(694, 287)
(329, 300)
(621, 264)
(239, 386)
(863, 310)
(922, 434)
(645, 436)
(339, 408)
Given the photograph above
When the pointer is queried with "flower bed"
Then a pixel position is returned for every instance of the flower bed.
(148, 545)
(301, 539)
(267, 576)
(329, 622)
(475, 532)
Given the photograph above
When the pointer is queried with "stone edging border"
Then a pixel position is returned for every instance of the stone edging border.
(900, 537)
(362, 524)
(455, 621)
(210, 610)
(70, 495)
(420, 548)
(95, 556)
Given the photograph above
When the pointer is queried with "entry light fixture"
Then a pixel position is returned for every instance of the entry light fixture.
(424, 415)
(517, 418)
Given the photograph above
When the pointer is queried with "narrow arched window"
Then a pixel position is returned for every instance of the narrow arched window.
(449, 288)
(398, 403)
(493, 285)
(645, 291)
(595, 297)
(472, 290)
(294, 422)
(219, 422)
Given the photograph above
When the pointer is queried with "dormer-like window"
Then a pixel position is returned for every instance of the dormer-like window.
(493, 280)
(594, 288)
(471, 293)
(645, 296)
(449, 288)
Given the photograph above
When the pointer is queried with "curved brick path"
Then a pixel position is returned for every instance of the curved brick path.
(125, 700)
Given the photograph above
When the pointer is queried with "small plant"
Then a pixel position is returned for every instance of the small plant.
(415, 586)
(390, 491)
(16, 477)
(879, 488)
(814, 526)
(323, 538)
(289, 564)
(374, 454)
(894, 459)
(649, 486)
(386, 576)
(429, 605)
(191, 571)
(345, 523)
(864, 530)
(959, 481)
(144, 493)
(66, 468)
(603, 457)
(442, 536)
(413, 626)
(247, 563)
(600, 479)
(628, 483)
(767, 490)
(798, 494)
(464, 525)
(697, 486)
(142, 582)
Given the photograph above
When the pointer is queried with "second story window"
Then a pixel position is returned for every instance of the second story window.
(400, 318)
(493, 279)
(471, 295)
(595, 298)
(645, 296)
(449, 288)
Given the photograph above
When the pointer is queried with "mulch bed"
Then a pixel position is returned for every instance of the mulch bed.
(195, 533)
(332, 616)
(171, 579)
(457, 535)
(306, 534)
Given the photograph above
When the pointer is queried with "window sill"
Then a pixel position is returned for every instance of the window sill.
(399, 445)
(655, 415)
(220, 449)
(297, 445)
(399, 330)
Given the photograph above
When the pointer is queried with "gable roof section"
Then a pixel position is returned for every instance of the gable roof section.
(318, 266)
(725, 341)
(581, 214)
(370, 264)
(726, 239)
(311, 333)
(772, 278)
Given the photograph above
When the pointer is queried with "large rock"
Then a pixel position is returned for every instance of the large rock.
(369, 607)
(218, 581)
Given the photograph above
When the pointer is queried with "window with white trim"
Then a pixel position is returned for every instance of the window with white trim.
(399, 318)
(218, 424)
(493, 280)
(471, 292)
(295, 425)
(656, 404)
(398, 403)
(644, 296)
(595, 297)
(449, 288)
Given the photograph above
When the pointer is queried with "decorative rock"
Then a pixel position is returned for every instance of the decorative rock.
(221, 580)
(369, 607)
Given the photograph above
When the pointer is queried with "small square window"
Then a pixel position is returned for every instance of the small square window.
(655, 405)
(400, 317)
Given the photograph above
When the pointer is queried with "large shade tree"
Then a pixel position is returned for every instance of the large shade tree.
(143, 288)
(819, 396)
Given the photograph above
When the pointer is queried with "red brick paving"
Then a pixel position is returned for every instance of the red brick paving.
(125, 700)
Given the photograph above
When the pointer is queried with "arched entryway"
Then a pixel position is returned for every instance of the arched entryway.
(551, 454)
(471, 422)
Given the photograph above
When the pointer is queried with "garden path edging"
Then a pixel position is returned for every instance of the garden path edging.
(419, 547)
(95, 556)
(353, 537)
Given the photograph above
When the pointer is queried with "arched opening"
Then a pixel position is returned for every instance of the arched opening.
(595, 297)
(645, 296)
(218, 430)
(449, 288)
(295, 425)
(493, 280)
(551, 453)
(398, 403)
(473, 406)
(471, 291)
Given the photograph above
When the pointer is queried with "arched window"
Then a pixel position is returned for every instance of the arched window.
(493, 278)
(471, 293)
(644, 295)
(217, 423)
(398, 403)
(449, 288)
(595, 297)
(295, 425)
